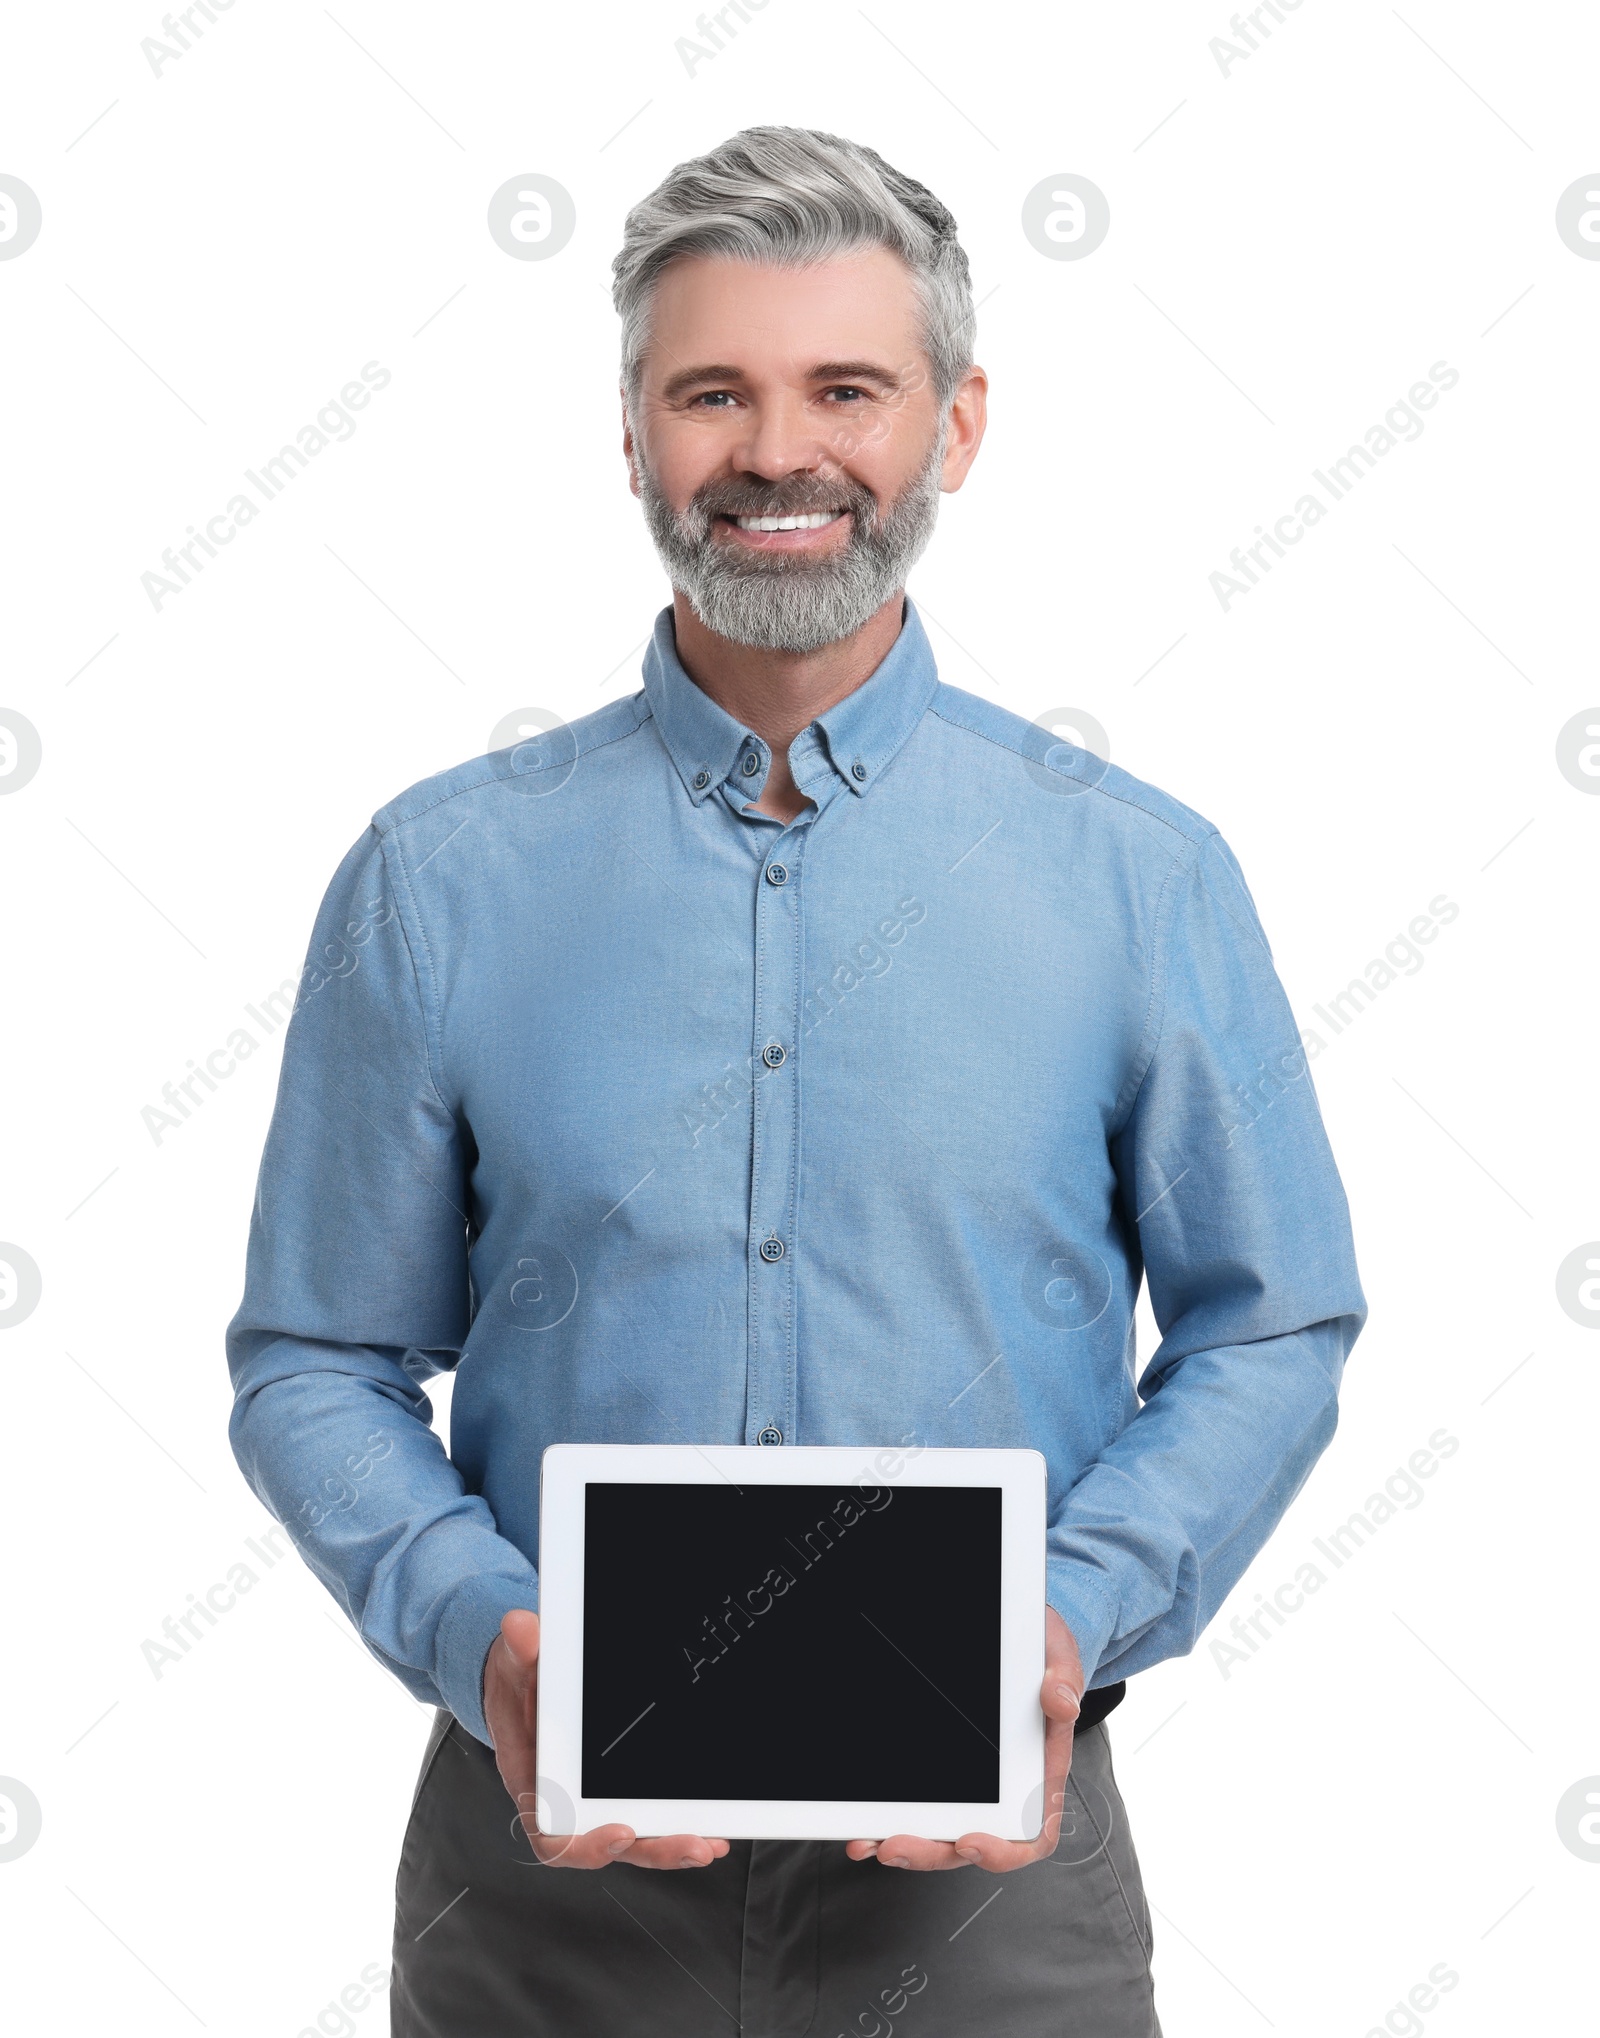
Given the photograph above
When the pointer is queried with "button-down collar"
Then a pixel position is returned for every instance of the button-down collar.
(858, 735)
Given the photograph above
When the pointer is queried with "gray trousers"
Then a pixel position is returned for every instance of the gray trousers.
(778, 1939)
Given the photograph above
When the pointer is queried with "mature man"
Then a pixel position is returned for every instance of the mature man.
(799, 1050)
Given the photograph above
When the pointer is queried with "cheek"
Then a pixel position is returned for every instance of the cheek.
(866, 438)
(887, 450)
(679, 453)
(893, 438)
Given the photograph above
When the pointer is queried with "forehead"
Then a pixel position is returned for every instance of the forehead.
(779, 319)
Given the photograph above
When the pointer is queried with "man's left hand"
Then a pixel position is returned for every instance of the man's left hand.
(1059, 1698)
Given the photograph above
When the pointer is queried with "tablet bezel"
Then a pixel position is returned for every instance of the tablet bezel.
(1020, 1476)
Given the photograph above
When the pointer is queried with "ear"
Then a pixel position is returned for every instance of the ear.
(627, 443)
(968, 417)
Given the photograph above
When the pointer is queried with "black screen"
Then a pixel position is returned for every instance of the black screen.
(792, 1642)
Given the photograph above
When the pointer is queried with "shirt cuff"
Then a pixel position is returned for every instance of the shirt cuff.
(466, 1635)
(1072, 1589)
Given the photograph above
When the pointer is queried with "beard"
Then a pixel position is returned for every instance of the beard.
(786, 601)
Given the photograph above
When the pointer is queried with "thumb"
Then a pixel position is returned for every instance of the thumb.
(1062, 1694)
(519, 1631)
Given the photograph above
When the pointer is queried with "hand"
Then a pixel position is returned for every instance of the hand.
(1059, 1697)
(510, 1682)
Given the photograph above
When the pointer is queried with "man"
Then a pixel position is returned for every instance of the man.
(799, 1050)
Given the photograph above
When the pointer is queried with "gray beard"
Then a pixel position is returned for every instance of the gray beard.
(784, 601)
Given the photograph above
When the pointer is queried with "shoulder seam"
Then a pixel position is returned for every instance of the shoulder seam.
(386, 828)
(433, 1031)
(984, 736)
(1160, 940)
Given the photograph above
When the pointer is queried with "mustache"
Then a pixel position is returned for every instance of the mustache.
(721, 499)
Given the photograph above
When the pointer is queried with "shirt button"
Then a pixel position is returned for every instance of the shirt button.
(770, 1435)
(777, 874)
(772, 1248)
(752, 765)
(858, 770)
(774, 1054)
(701, 780)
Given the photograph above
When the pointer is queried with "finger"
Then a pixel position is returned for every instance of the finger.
(595, 1849)
(526, 1801)
(983, 1850)
(674, 1850)
(860, 1850)
(1058, 1751)
(1055, 1799)
(566, 1850)
(602, 1845)
(1059, 1700)
(905, 1850)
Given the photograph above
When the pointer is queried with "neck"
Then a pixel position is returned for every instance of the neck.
(778, 693)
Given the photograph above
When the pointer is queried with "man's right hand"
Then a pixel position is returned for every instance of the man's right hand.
(510, 1683)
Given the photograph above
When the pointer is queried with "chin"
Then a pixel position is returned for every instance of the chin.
(782, 617)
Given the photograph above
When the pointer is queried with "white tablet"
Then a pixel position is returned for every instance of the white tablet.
(800, 1642)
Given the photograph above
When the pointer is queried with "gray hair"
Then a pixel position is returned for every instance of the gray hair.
(790, 195)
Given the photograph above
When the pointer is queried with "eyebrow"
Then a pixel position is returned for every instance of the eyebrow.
(823, 371)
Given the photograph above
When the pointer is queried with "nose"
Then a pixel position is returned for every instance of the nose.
(783, 436)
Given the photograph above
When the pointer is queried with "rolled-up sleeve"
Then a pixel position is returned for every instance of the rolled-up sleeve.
(1227, 1180)
(357, 1290)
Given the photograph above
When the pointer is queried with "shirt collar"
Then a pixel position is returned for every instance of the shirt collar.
(859, 735)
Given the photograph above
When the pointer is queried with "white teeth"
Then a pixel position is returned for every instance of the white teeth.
(814, 522)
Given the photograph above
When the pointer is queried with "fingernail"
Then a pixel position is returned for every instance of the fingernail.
(619, 1847)
(896, 1860)
(967, 1853)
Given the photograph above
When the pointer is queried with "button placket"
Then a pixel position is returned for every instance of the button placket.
(770, 1400)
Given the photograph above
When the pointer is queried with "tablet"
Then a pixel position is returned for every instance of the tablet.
(801, 1642)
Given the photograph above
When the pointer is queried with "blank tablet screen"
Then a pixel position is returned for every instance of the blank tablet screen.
(789, 1642)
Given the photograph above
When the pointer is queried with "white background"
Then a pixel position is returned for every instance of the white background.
(1373, 1791)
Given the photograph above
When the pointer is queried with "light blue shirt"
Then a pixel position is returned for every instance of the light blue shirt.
(660, 1120)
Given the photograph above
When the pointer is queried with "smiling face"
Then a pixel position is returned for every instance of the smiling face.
(788, 451)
